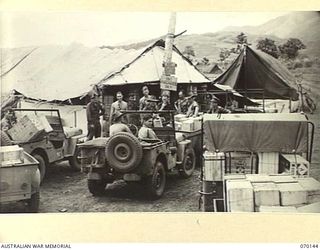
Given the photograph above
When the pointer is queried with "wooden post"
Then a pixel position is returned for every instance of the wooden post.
(168, 81)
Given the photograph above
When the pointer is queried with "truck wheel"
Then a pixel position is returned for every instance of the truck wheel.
(155, 184)
(97, 187)
(42, 165)
(188, 164)
(123, 152)
(74, 162)
(34, 202)
(5, 140)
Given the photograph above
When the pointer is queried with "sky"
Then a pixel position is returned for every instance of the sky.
(20, 29)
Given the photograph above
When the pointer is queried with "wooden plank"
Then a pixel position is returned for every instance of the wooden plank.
(291, 194)
(253, 178)
(282, 179)
(239, 196)
(266, 194)
(276, 209)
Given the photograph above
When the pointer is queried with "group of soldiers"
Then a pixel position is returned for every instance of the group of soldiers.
(184, 105)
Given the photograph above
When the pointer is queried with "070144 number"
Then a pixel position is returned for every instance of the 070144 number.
(309, 245)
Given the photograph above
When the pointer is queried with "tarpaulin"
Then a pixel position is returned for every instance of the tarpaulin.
(256, 132)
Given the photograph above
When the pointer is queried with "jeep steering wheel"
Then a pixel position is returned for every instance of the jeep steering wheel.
(133, 128)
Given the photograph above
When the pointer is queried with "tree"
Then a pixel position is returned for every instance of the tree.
(268, 46)
(291, 48)
(189, 52)
(224, 54)
(242, 38)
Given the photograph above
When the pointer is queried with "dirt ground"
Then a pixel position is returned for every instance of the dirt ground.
(66, 191)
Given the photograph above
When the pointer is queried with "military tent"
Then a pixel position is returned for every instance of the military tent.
(256, 70)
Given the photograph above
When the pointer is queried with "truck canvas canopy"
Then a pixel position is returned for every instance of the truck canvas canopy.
(286, 133)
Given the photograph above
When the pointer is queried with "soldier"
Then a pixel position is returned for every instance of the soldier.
(146, 131)
(94, 111)
(118, 105)
(117, 125)
(193, 108)
(143, 100)
(215, 108)
(181, 105)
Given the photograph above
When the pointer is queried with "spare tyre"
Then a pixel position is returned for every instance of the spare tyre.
(123, 152)
(5, 140)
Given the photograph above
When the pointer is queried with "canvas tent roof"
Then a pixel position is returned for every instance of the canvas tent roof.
(254, 69)
(147, 68)
(58, 73)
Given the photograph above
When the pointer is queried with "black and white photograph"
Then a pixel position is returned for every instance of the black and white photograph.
(160, 112)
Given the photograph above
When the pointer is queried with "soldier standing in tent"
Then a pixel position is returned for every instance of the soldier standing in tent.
(94, 111)
(193, 108)
(181, 105)
(143, 100)
(118, 105)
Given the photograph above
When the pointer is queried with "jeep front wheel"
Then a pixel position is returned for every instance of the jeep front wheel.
(155, 184)
(97, 187)
(188, 164)
(42, 165)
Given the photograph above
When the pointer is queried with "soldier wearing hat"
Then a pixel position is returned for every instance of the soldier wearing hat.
(215, 108)
(117, 125)
(94, 111)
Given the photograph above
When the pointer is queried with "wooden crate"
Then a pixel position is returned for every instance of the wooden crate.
(292, 194)
(26, 129)
(239, 196)
(294, 164)
(10, 155)
(268, 163)
(266, 194)
(312, 187)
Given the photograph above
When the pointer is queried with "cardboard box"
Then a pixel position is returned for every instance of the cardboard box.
(239, 196)
(241, 163)
(254, 178)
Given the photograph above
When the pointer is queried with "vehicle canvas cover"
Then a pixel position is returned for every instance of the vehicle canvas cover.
(256, 132)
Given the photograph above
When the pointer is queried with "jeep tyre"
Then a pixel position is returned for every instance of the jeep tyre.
(5, 140)
(97, 187)
(188, 164)
(42, 165)
(123, 152)
(33, 203)
(155, 184)
(74, 162)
